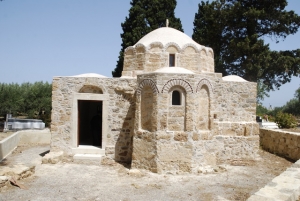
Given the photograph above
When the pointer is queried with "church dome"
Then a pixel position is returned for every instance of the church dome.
(167, 35)
(233, 78)
(167, 47)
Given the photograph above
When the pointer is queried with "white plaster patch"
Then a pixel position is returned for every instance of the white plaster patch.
(88, 75)
(233, 78)
(167, 35)
(179, 70)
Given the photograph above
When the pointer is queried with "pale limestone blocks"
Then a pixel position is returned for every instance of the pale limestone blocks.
(169, 112)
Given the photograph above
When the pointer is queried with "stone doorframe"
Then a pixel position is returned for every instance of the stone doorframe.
(74, 116)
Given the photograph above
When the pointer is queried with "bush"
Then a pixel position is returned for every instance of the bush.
(285, 120)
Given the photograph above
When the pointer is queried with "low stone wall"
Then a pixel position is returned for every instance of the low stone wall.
(23, 137)
(282, 143)
(182, 152)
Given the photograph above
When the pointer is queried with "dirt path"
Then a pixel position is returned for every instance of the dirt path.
(83, 181)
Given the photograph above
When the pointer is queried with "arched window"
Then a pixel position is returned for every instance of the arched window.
(171, 60)
(176, 99)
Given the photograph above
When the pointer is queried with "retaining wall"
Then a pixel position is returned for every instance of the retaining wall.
(8, 144)
(282, 143)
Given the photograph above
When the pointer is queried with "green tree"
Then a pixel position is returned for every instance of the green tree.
(235, 30)
(145, 16)
(297, 94)
(11, 99)
(261, 110)
(262, 90)
(293, 105)
(31, 100)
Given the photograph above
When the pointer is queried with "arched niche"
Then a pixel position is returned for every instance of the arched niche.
(91, 89)
(204, 109)
(146, 108)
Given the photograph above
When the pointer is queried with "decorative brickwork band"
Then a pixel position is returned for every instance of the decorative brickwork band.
(205, 82)
(190, 45)
(147, 82)
(174, 45)
(177, 82)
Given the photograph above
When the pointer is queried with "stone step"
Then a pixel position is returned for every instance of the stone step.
(85, 149)
(88, 157)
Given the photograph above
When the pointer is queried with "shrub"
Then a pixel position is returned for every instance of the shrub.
(285, 120)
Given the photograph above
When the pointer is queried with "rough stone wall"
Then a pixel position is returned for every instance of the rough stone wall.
(204, 139)
(176, 118)
(148, 59)
(61, 113)
(203, 122)
(147, 108)
(234, 109)
(121, 111)
(235, 101)
(283, 143)
(140, 58)
(235, 128)
(129, 60)
(144, 150)
(156, 58)
(227, 108)
(189, 58)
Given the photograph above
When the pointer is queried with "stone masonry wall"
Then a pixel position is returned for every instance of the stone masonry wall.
(235, 101)
(176, 150)
(283, 143)
(231, 105)
(148, 59)
(121, 108)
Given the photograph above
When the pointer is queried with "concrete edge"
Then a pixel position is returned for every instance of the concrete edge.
(9, 144)
(285, 187)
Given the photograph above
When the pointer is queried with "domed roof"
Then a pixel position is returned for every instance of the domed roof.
(167, 35)
(233, 78)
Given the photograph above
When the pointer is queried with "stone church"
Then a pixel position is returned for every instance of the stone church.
(169, 112)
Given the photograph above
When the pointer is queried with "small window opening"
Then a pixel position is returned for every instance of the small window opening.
(171, 60)
(176, 98)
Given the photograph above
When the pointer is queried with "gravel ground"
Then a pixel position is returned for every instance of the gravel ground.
(71, 180)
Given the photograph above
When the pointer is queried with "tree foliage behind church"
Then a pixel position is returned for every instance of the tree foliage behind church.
(32, 100)
(144, 17)
(236, 29)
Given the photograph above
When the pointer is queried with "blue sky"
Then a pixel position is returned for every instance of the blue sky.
(43, 39)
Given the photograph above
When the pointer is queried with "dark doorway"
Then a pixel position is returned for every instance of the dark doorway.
(89, 123)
